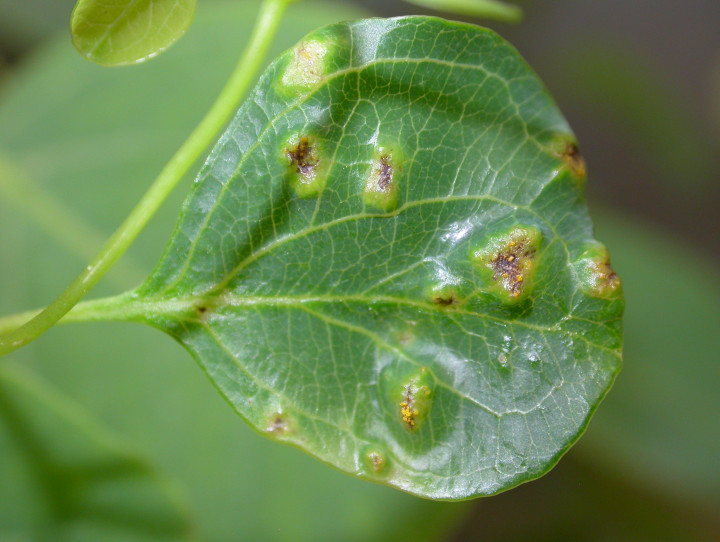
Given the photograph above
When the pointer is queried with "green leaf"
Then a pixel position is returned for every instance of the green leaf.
(387, 261)
(76, 480)
(128, 31)
(490, 9)
(92, 141)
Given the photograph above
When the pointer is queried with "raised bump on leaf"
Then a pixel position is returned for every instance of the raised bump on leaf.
(375, 460)
(444, 295)
(507, 262)
(278, 424)
(382, 184)
(596, 276)
(307, 168)
(307, 66)
(568, 151)
(411, 396)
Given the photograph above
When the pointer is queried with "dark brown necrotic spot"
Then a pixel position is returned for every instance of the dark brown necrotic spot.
(571, 156)
(444, 299)
(277, 425)
(303, 158)
(385, 172)
(508, 266)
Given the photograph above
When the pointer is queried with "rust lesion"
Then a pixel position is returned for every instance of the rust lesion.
(571, 156)
(307, 67)
(444, 300)
(602, 280)
(509, 266)
(508, 262)
(444, 297)
(384, 172)
(377, 461)
(277, 424)
(408, 410)
(381, 185)
(596, 275)
(303, 158)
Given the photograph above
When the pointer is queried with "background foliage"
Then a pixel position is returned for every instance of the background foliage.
(648, 121)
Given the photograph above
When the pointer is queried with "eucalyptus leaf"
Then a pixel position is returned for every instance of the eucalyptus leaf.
(66, 477)
(490, 9)
(387, 262)
(128, 31)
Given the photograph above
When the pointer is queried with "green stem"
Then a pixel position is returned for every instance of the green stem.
(268, 20)
(115, 308)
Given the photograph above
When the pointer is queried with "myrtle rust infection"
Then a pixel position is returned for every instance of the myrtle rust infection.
(444, 297)
(277, 425)
(508, 266)
(307, 67)
(508, 261)
(444, 300)
(303, 158)
(571, 156)
(597, 277)
(381, 190)
(204, 309)
(407, 406)
(384, 172)
(377, 461)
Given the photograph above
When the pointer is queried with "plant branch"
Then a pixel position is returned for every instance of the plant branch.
(244, 73)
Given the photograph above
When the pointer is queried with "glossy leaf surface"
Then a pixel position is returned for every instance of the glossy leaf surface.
(387, 261)
(128, 31)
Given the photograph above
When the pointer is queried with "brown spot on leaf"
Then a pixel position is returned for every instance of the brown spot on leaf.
(444, 299)
(596, 275)
(571, 156)
(377, 461)
(508, 266)
(384, 172)
(277, 425)
(303, 158)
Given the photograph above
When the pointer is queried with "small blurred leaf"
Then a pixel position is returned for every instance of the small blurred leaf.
(128, 31)
(387, 261)
(489, 9)
(65, 477)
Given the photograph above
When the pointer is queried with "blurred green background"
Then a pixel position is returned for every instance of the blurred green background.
(110, 432)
